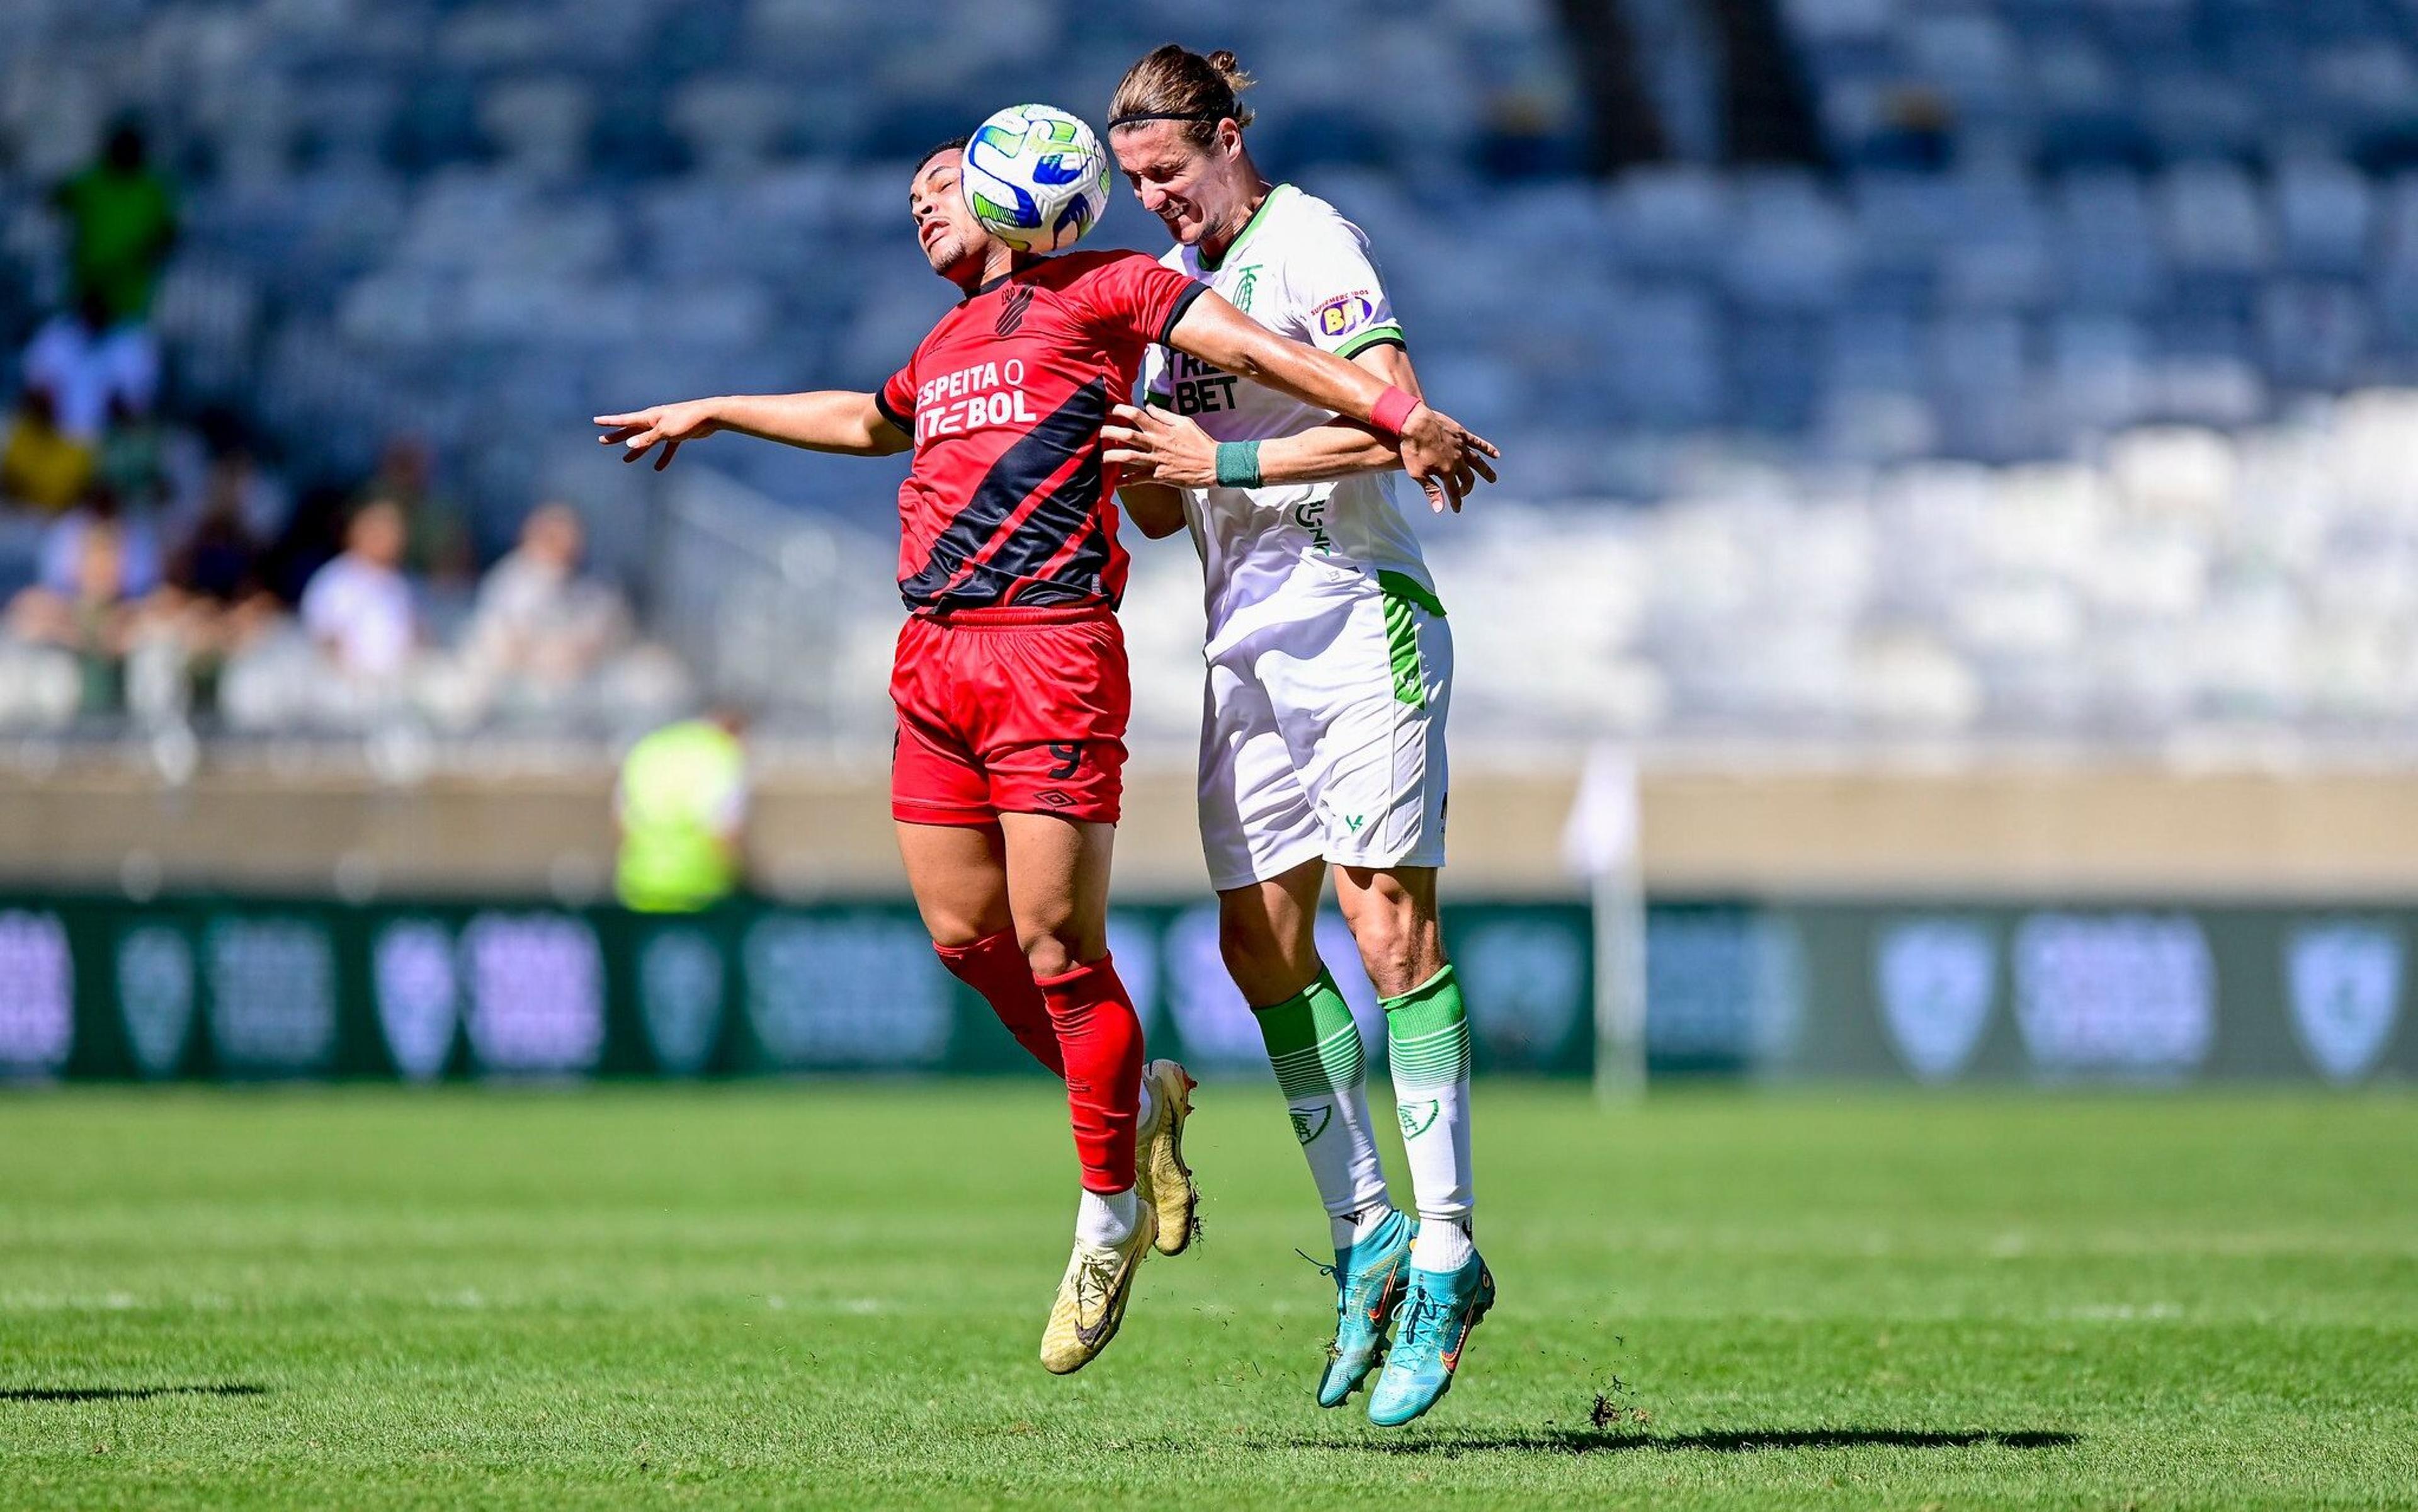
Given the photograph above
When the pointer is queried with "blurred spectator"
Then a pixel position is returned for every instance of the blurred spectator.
(94, 621)
(39, 467)
(312, 537)
(81, 371)
(64, 543)
(681, 809)
(436, 534)
(224, 470)
(93, 368)
(538, 618)
(213, 606)
(121, 221)
(359, 608)
(219, 562)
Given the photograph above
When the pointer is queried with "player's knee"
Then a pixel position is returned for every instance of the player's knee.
(1399, 948)
(1268, 967)
(1389, 955)
(1049, 955)
(1247, 943)
(1056, 949)
(956, 928)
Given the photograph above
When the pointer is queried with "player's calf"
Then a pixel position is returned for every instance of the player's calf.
(995, 967)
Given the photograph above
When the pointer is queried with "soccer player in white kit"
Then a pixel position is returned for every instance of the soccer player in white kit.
(1329, 675)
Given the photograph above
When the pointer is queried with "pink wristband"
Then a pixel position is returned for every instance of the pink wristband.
(1392, 410)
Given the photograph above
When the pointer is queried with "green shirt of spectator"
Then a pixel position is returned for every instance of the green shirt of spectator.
(681, 803)
(122, 219)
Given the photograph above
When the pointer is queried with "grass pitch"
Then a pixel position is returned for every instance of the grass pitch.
(828, 1294)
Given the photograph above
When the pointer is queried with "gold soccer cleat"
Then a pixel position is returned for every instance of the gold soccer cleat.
(1163, 1180)
(1092, 1297)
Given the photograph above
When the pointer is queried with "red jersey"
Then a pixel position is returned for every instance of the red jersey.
(1009, 502)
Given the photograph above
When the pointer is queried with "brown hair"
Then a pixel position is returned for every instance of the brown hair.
(1172, 82)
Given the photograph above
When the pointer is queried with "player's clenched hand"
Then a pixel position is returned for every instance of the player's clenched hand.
(638, 431)
(1155, 447)
(1444, 456)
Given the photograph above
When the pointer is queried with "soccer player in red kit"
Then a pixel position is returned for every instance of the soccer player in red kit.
(1010, 680)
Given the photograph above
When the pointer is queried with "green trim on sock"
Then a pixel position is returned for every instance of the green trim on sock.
(1427, 1033)
(1312, 1043)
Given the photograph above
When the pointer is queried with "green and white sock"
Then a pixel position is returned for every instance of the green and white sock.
(1321, 1069)
(1427, 1037)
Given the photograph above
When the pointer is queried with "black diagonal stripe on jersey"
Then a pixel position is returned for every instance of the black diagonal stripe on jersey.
(1071, 430)
(1083, 578)
(1065, 513)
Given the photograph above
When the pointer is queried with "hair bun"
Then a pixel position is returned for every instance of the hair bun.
(1230, 69)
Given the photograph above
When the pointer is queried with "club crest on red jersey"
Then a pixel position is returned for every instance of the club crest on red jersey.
(1012, 306)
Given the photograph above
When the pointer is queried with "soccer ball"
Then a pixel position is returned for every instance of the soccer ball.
(1035, 178)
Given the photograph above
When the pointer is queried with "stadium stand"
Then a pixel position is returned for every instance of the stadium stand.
(2019, 413)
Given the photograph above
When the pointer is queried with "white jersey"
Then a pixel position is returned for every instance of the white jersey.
(1329, 660)
(1302, 270)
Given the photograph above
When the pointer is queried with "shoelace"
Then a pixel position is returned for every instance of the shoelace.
(1095, 1280)
(1424, 1315)
(1350, 1293)
(1344, 1300)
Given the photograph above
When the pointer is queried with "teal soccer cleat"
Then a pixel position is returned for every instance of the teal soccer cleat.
(1443, 1308)
(1370, 1279)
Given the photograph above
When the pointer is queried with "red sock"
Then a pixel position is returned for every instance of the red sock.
(995, 968)
(1101, 1038)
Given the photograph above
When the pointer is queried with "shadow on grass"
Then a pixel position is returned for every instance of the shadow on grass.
(125, 1394)
(1739, 1441)
(1449, 1444)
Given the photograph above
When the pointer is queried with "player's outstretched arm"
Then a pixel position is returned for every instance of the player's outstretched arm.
(827, 420)
(1444, 457)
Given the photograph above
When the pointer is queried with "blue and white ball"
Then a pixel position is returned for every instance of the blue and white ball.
(1035, 178)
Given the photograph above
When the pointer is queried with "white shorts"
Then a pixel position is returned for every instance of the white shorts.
(1323, 735)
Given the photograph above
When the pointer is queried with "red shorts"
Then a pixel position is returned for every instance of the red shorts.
(1009, 712)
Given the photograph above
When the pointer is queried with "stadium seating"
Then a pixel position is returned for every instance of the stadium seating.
(2158, 218)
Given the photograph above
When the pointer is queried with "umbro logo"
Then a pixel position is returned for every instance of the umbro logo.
(1054, 797)
(1012, 308)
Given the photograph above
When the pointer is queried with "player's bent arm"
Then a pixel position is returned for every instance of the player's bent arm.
(1337, 449)
(829, 420)
(1218, 334)
(1155, 508)
(1437, 450)
(1156, 448)
(1342, 447)
(1161, 446)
